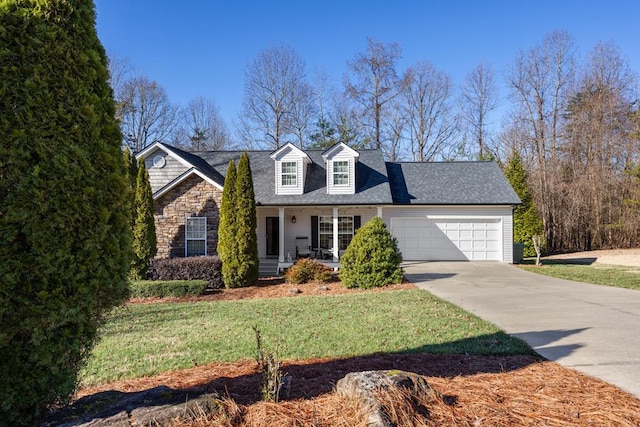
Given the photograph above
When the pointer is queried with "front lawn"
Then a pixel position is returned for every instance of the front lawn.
(147, 339)
(597, 274)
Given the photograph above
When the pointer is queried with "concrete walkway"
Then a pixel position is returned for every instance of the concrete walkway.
(593, 329)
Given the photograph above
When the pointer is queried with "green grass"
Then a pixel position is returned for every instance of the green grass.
(597, 274)
(147, 339)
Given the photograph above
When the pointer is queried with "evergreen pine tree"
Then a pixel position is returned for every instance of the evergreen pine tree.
(144, 229)
(246, 238)
(527, 221)
(65, 236)
(227, 226)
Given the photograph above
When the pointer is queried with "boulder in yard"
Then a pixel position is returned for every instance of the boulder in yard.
(364, 386)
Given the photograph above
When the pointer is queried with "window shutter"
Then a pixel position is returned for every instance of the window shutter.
(356, 222)
(314, 231)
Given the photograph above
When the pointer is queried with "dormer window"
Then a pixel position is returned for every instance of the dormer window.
(289, 174)
(341, 161)
(340, 172)
(291, 167)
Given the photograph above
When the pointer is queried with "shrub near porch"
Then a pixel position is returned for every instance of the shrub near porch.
(372, 259)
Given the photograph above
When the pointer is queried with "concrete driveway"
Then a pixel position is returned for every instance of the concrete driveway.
(593, 329)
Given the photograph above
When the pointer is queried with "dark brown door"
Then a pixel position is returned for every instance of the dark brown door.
(273, 235)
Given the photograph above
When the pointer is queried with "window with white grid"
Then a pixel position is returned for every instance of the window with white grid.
(196, 236)
(289, 174)
(340, 172)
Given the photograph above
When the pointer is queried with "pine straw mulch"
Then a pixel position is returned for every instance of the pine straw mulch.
(467, 390)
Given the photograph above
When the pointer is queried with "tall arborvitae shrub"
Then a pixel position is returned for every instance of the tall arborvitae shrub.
(246, 255)
(131, 168)
(144, 229)
(65, 236)
(372, 259)
(527, 221)
(227, 226)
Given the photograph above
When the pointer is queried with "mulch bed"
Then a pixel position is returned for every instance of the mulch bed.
(469, 390)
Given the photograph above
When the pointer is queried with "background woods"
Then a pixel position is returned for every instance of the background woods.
(571, 119)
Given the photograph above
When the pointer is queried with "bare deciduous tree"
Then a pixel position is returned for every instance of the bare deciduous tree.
(120, 70)
(202, 127)
(480, 98)
(147, 113)
(275, 84)
(598, 148)
(430, 115)
(396, 126)
(538, 83)
(375, 83)
(302, 113)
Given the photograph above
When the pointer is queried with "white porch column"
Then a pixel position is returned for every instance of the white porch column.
(281, 235)
(379, 211)
(336, 244)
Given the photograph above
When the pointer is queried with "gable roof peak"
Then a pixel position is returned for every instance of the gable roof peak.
(340, 146)
(289, 147)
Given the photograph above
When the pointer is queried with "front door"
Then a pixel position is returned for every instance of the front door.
(273, 236)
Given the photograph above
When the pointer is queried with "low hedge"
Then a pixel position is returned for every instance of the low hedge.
(207, 268)
(166, 288)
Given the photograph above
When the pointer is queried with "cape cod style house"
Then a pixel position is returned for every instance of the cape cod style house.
(311, 202)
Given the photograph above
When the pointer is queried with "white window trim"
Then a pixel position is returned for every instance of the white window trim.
(320, 233)
(294, 174)
(335, 174)
(188, 239)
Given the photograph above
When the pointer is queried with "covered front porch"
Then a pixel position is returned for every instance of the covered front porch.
(287, 233)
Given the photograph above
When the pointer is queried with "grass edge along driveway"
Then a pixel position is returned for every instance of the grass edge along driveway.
(597, 274)
(147, 339)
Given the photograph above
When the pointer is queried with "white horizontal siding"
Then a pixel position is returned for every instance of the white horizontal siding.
(341, 156)
(507, 238)
(302, 227)
(299, 187)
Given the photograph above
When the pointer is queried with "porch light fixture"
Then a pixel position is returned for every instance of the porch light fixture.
(293, 219)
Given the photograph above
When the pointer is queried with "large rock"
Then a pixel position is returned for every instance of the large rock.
(363, 386)
(154, 407)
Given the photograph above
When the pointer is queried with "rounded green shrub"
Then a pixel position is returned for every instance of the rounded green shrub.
(308, 270)
(372, 259)
(65, 235)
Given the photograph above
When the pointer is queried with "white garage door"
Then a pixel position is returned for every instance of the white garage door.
(448, 239)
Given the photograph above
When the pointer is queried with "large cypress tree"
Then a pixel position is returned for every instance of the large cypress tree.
(246, 238)
(227, 226)
(65, 238)
(144, 228)
(527, 221)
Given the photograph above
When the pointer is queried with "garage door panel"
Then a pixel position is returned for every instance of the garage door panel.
(453, 234)
(448, 239)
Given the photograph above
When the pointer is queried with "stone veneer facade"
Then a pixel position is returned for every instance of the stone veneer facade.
(194, 197)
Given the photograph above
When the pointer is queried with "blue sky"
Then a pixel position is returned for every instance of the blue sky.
(200, 47)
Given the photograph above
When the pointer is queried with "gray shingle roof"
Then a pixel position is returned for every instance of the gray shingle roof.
(450, 183)
(377, 182)
(372, 184)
